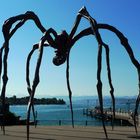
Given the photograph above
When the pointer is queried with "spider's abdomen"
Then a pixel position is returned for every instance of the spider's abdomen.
(61, 51)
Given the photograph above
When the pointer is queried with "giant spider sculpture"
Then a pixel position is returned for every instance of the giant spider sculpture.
(62, 43)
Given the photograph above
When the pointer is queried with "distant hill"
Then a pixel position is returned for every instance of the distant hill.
(24, 101)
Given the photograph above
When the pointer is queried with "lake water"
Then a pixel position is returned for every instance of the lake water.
(52, 114)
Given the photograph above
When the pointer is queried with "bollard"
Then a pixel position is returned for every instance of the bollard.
(59, 122)
(86, 122)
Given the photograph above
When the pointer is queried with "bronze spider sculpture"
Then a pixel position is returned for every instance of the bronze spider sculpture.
(63, 43)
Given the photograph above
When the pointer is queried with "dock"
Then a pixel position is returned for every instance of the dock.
(122, 118)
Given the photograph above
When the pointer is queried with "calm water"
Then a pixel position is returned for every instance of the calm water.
(51, 114)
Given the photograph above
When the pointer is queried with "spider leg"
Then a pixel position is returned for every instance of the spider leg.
(70, 44)
(2, 98)
(86, 32)
(99, 86)
(110, 82)
(28, 79)
(7, 36)
(99, 61)
(5, 80)
(128, 49)
(136, 113)
(35, 47)
(27, 67)
(36, 80)
(69, 89)
(8, 33)
(22, 19)
(1, 52)
(126, 45)
(83, 13)
(35, 83)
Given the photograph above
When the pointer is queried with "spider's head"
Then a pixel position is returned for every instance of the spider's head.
(62, 48)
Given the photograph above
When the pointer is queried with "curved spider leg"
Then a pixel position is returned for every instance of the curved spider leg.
(126, 45)
(135, 117)
(84, 13)
(76, 38)
(35, 47)
(22, 19)
(36, 80)
(1, 52)
(28, 79)
(99, 85)
(7, 35)
(110, 82)
(39, 46)
(35, 83)
(69, 44)
(93, 23)
(69, 89)
(86, 32)
(5, 80)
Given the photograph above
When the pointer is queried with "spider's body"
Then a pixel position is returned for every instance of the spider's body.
(61, 47)
(62, 44)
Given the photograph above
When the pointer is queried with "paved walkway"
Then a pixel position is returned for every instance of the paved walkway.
(68, 133)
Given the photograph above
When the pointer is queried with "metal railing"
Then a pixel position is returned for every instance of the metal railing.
(68, 122)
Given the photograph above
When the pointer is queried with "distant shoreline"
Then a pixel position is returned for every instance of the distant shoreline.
(43, 101)
(37, 104)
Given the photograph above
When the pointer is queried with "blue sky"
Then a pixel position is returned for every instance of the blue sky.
(61, 14)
